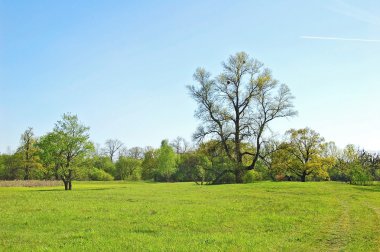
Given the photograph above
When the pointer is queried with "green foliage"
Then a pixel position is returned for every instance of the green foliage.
(29, 152)
(99, 175)
(221, 169)
(301, 156)
(226, 178)
(356, 166)
(66, 148)
(264, 171)
(105, 164)
(194, 167)
(128, 169)
(358, 175)
(149, 165)
(166, 161)
(252, 176)
(11, 166)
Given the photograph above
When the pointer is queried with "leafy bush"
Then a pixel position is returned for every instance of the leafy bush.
(252, 176)
(105, 164)
(128, 169)
(228, 178)
(100, 175)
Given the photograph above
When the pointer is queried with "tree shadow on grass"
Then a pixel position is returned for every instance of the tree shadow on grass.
(48, 190)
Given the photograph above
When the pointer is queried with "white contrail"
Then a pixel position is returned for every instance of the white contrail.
(343, 39)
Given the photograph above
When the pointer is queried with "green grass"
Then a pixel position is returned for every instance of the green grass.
(267, 216)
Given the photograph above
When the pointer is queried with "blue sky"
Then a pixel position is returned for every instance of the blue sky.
(122, 66)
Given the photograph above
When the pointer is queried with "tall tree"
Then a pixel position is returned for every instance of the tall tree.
(111, 147)
(237, 106)
(166, 161)
(29, 151)
(149, 164)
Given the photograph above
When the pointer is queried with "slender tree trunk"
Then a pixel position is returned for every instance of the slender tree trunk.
(70, 185)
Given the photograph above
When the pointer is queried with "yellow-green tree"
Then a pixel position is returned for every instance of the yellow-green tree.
(301, 154)
(29, 153)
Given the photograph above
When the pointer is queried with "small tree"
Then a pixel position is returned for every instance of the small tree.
(66, 147)
(302, 154)
(166, 161)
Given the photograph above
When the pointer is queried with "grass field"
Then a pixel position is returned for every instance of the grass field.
(266, 216)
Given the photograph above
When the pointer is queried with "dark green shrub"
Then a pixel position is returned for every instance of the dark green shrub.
(252, 176)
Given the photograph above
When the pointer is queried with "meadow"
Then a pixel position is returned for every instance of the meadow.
(136, 216)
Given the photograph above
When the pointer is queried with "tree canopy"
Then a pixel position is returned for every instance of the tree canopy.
(237, 106)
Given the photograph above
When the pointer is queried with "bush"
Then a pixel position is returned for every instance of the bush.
(252, 176)
(128, 169)
(100, 175)
(228, 178)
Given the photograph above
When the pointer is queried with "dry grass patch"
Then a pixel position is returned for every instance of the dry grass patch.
(29, 183)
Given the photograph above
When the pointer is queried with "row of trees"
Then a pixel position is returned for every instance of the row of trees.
(233, 143)
(67, 154)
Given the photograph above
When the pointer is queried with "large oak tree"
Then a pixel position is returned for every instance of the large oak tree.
(237, 106)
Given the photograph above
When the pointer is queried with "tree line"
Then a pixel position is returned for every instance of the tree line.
(233, 144)
(67, 154)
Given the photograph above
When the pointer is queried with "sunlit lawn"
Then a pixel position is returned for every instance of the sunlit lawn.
(186, 217)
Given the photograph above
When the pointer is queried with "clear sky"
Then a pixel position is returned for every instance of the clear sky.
(122, 66)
